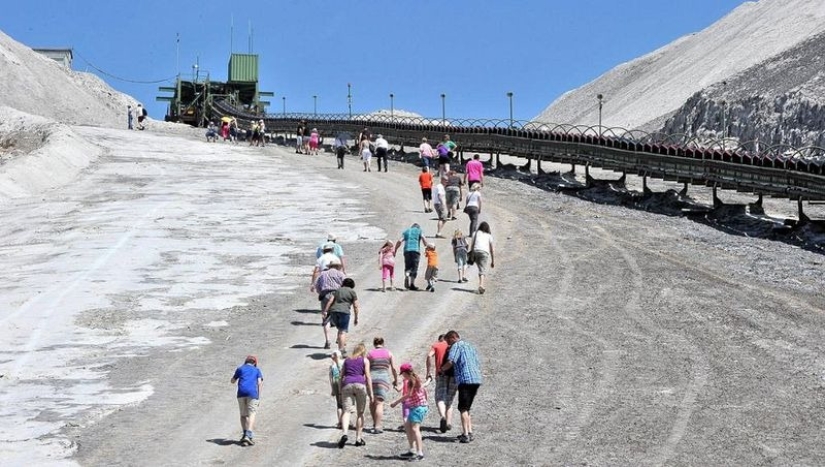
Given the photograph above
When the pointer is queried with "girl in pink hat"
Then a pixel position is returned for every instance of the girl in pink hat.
(414, 399)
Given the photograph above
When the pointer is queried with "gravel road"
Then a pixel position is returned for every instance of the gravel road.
(608, 336)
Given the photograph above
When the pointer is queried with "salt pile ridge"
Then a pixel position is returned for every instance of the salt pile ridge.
(642, 93)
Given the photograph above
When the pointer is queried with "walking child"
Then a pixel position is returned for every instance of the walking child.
(425, 180)
(386, 262)
(335, 383)
(460, 248)
(415, 399)
(250, 381)
(431, 276)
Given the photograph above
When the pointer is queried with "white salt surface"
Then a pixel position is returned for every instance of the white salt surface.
(159, 227)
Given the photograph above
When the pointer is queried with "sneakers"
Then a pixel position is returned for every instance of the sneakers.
(464, 439)
(481, 290)
(432, 289)
(464, 279)
(408, 455)
(342, 442)
(443, 425)
(417, 457)
(326, 346)
(429, 287)
(360, 442)
(413, 287)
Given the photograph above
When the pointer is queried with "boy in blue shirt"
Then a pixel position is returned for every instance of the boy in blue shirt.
(250, 380)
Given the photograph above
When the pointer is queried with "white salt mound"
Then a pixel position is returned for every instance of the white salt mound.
(37, 154)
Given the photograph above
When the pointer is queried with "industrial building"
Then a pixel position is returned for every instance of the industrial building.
(191, 100)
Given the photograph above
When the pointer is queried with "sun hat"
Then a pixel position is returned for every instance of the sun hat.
(331, 237)
(406, 367)
(335, 353)
(328, 246)
(334, 262)
(251, 359)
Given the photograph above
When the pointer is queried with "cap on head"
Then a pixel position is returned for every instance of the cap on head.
(251, 359)
(328, 246)
(335, 353)
(380, 136)
(331, 237)
(406, 367)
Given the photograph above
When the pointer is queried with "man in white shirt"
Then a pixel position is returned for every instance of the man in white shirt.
(382, 147)
(440, 204)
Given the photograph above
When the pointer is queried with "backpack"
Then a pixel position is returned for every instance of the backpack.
(145, 112)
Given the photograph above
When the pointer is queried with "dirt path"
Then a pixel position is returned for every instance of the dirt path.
(608, 337)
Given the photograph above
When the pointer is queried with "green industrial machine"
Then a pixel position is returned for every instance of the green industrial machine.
(191, 100)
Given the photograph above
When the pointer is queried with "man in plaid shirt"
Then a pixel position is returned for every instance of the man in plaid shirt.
(463, 358)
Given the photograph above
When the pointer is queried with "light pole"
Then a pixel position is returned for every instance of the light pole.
(315, 105)
(349, 99)
(510, 96)
(443, 109)
(284, 99)
(600, 97)
(392, 107)
(724, 116)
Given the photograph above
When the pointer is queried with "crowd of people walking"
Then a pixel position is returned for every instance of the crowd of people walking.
(362, 379)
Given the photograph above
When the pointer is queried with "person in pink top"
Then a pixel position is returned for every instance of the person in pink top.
(416, 401)
(474, 171)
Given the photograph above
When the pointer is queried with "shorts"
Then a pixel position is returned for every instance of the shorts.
(431, 273)
(354, 396)
(427, 194)
(445, 389)
(440, 211)
(461, 258)
(443, 160)
(247, 406)
(427, 162)
(453, 195)
(340, 321)
(482, 261)
(381, 152)
(366, 155)
(387, 272)
(466, 395)
(417, 414)
(305, 140)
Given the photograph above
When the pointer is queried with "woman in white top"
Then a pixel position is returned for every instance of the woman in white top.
(366, 154)
(483, 252)
(472, 206)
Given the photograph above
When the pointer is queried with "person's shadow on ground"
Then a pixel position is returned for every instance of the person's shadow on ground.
(303, 323)
(384, 458)
(306, 310)
(224, 442)
(321, 427)
(325, 444)
(440, 438)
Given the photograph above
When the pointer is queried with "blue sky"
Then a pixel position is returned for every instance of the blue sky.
(472, 51)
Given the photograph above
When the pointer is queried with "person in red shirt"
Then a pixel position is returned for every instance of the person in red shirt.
(426, 182)
(445, 387)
